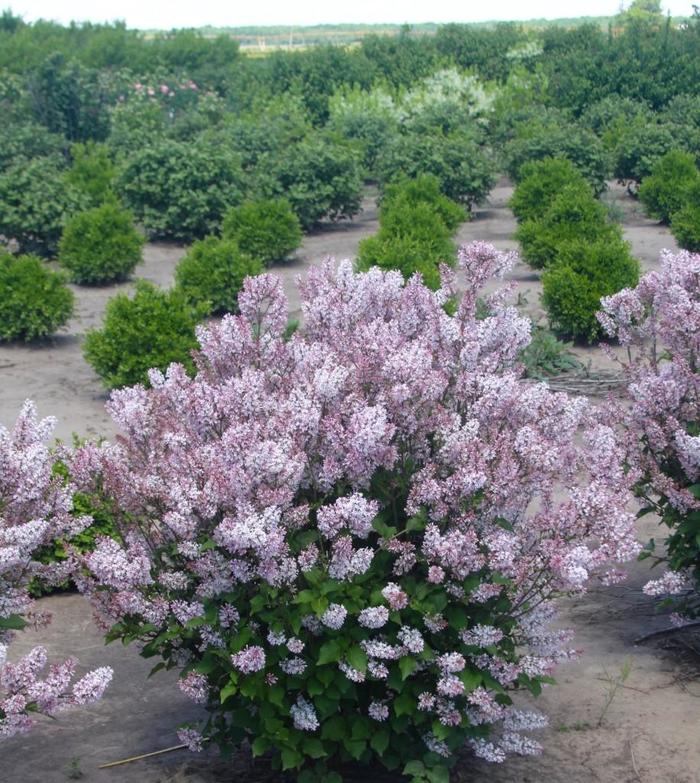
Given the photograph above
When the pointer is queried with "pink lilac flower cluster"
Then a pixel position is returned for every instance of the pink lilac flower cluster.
(499, 492)
(659, 323)
(35, 509)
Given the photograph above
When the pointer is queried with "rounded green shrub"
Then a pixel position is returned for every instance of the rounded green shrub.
(638, 148)
(100, 245)
(320, 178)
(664, 192)
(541, 181)
(151, 329)
(34, 301)
(35, 202)
(412, 238)
(579, 145)
(685, 224)
(181, 191)
(267, 230)
(212, 274)
(573, 215)
(465, 172)
(424, 189)
(586, 271)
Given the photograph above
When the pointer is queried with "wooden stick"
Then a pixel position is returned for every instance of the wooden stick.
(142, 756)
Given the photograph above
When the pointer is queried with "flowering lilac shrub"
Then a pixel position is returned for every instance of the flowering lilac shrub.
(35, 506)
(659, 322)
(349, 542)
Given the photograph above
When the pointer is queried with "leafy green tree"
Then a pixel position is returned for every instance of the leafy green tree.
(685, 224)
(665, 190)
(92, 171)
(181, 191)
(35, 203)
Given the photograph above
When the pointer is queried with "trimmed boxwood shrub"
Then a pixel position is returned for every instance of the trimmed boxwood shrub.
(685, 224)
(573, 215)
(151, 329)
(664, 192)
(35, 202)
(541, 181)
(267, 230)
(411, 238)
(100, 245)
(465, 172)
(34, 301)
(181, 191)
(586, 271)
(212, 274)
(424, 189)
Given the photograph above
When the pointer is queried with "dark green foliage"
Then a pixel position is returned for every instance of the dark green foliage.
(92, 171)
(579, 145)
(100, 245)
(212, 274)
(665, 190)
(267, 230)
(540, 183)
(586, 271)
(320, 178)
(23, 142)
(35, 202)
(181, 191)
(411, 238)
(546, 356)
(573, 215)
(151, 329)
(685, 224)
(425, 189)
(639, 148)
(69, 99)
(465, 172)
(34, 301)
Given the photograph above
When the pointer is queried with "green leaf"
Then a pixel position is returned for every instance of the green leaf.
(407, 667)
(13, 623)
(291, 758)
(333, 728)
(415, 768)
(357, 658)
(403, 705)
(330, 652)
(230, 689)
(380, 741)
(313, 747)
(694, 490)
(260, 746)
(355, 747)
(471, 679)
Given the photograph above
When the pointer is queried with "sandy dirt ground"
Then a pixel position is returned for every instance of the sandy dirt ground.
(650, 732)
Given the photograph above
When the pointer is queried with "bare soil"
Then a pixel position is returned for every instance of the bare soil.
(650, 733)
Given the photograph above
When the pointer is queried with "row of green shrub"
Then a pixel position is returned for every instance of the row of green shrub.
(101, 245)
(671, 194)
(564, 230)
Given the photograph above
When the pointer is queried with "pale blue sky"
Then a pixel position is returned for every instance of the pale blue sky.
(167, 14)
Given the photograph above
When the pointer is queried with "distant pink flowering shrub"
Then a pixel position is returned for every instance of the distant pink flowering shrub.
(659, 321)
(355, 535)
(35, 508)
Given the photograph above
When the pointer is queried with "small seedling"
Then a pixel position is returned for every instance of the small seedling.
(613, 683)
(73, 771)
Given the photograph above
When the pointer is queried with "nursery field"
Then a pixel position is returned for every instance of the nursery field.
(350, 405)
(623, 712)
